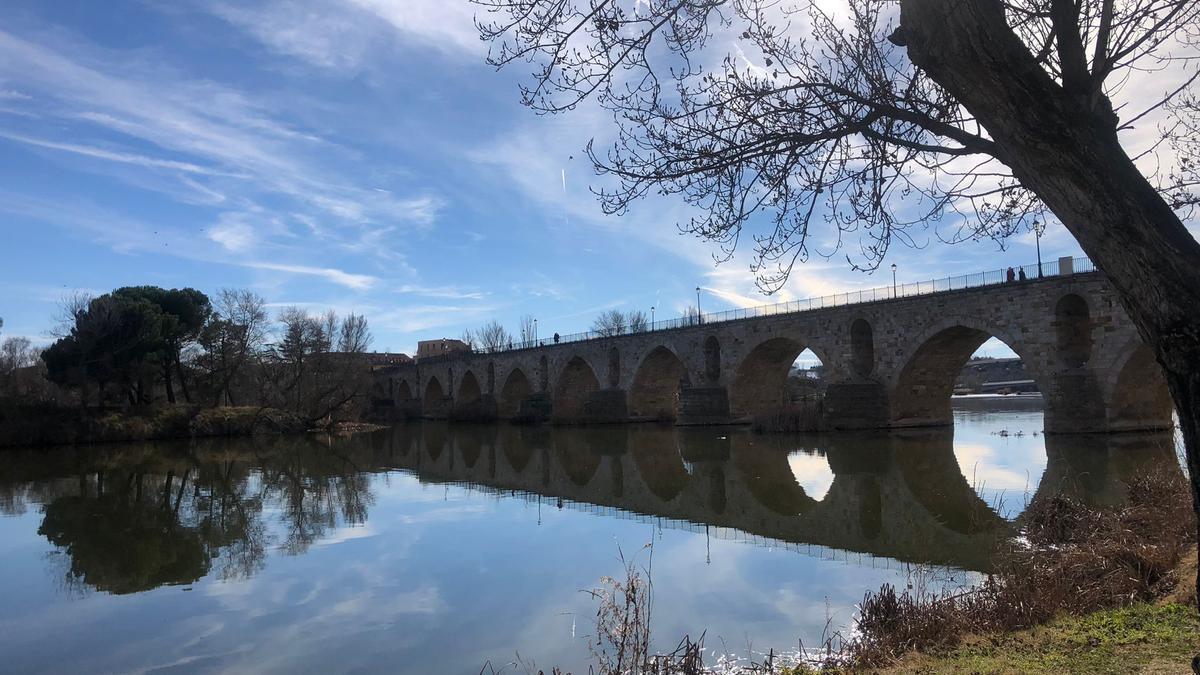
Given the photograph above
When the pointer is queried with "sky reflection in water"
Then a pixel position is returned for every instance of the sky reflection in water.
(433, 549)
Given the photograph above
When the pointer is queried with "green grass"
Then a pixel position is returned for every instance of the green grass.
(1140, 638)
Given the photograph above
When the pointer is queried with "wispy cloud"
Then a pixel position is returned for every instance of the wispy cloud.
(417, 318)
(341, 35)
(347, 279)
(447, 292)
(113, 156)
(14, 95)
(128, 235)
(159, 108)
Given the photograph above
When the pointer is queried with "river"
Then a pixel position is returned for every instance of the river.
(434, 548)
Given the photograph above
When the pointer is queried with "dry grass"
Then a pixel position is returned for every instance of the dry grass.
(800, 416)
(621, 643)
(1072, 559)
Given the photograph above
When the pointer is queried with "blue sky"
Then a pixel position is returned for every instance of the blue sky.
(353, 154)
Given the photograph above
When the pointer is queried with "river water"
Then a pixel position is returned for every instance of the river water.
(433, 548)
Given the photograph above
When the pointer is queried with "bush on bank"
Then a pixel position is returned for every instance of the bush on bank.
(42, 425)
(1072, 559)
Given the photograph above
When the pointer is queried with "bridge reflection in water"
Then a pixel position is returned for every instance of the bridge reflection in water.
(895, 495)
(134, 517)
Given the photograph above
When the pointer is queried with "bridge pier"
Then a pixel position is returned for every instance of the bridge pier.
(535, 408)
(606, 406)
(1072, 404)
(703, 406)
(437, 408)
(855, 405)
(482, 409)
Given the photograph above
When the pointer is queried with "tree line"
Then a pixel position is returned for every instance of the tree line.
(146, 345)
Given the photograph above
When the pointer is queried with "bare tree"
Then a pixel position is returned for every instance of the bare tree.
(231, 341)
(468, 338)
(354, 336)
(888, 118)
(70, 305)
(493, 337)
(16, 353)
(610, 322)
(528, 329)
(638, 323)
(309, 377)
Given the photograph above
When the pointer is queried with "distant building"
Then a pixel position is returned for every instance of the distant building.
(1009, 387)
(988, 370)
(429, 348)
(386, 359)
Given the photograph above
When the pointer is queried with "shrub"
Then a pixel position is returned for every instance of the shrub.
(1072, 558)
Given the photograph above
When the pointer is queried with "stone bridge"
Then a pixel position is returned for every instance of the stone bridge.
(888, 364)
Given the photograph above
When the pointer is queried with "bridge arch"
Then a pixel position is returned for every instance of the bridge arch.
(469, 442)
(1137, 397)
(578, 460)
(921, 387)
(435, 437)
(402, 391)
(469, 390)
(656, 384)
(767, 475)
(760, 384)
(515, 390)
(575, 384)
(433, 400)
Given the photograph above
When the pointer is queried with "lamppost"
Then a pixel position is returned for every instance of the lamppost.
(651, 317)
(893, 280)
(535, 332)
(1037, 233)
(698, 314)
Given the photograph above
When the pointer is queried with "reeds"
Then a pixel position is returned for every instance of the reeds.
(799, 416)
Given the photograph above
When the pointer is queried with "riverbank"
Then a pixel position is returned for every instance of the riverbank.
(1146, 637)
(1113, 577)
(1141, 638)
(48, 426)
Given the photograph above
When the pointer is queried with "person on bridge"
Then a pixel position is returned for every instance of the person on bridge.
(556, 338)
(1021, 275)
(1011, 276)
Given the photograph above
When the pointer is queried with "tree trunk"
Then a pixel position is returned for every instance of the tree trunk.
(187, 395)
(167, 383)
(83, 396)
(1064, 147)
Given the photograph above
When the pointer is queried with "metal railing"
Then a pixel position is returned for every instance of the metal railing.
(877, 294)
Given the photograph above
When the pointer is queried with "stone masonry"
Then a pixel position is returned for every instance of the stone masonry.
(888, 364)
